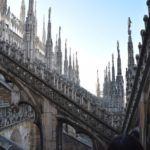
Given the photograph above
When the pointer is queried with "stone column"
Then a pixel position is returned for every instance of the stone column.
(49, 123)
(59, 136)
(143, 118)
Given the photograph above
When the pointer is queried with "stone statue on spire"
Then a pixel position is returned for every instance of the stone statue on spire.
(129, 26)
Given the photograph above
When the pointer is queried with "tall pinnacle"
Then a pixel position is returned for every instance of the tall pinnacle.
(3, 6)
(66, 49)
(31, 6)
(44, 33)
(73, 70)
(130, 46)
(59, 32)
(98, 86)
(129, 26)
(30, 33)
(77, 70)
(49, 15)
(49, 43)
(22, 12)
(70, 66)
(49, 27)
(108, 71)
(119, 72)
(66, 61)
(35, 9)
(70, 58)
(56, 45)
(59, 54)
(35, 15)
(59, 40)
(113, 69)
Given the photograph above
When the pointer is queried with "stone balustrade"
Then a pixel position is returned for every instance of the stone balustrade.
(77, 102)
(62, 84)
(10, 116)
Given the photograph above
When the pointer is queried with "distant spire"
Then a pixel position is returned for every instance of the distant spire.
(49, 15)
(77, 70)
(70, 66)
(106, 74)
(109, 71)
(73, 70)
(29, 36)
(30, 9)
(113, 69)
(98, 86)
(3, 6)
(73, 62)
(119, 80)
(35, 14)
(56, 44)
(49, 43)
(35, 8)
(66, 61)
(119, 72)
(130, 46)
(59, 54)
(59, 32)
(22, 12)
(59, 39)
(105, 88)
(66, 49)
(49, 38)
(70, 58)
(44, 33)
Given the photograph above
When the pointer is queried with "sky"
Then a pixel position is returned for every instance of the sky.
(92, 28)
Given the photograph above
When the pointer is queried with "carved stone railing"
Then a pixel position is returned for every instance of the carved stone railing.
(143, 68)
(61, 83)
(54, 88)
(10, 117)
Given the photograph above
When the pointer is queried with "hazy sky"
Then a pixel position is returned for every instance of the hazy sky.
(92, 27)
